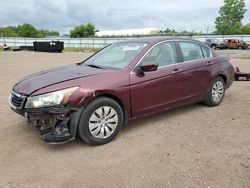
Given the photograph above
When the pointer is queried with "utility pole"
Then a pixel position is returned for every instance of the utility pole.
(207, 29)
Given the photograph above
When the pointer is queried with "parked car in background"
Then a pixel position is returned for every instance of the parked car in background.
(215, 43)
(235, 44)
(123, 81)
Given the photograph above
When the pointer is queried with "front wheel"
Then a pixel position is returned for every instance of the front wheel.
(100, 121)
(216, 92)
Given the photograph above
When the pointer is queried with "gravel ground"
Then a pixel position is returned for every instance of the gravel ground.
(192, 146)
(241, 54)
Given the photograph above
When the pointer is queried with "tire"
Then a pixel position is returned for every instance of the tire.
(100, 121)
(213, 47)
(240, 48)
(216, 92)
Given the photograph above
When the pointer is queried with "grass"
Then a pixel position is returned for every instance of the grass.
(1, 50)
(243, 57)
(236, 54)
(89, 50)
(86, 50)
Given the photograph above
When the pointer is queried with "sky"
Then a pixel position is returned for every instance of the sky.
(64, 15)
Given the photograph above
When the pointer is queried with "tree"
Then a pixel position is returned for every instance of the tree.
(8, 31)
(44, 33)
(27, 30)
(231, 14)
(172, 32)
(82, 30)
(246, 29)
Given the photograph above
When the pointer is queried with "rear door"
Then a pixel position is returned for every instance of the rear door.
(156, 90)
(197, 67)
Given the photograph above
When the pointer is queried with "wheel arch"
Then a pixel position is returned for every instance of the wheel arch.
(115, 98)
(223, 76)
(92, 95)
(119, 101)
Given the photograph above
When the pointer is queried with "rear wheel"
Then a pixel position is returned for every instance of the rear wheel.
(213, 47)
(100, 121)
(216, 92)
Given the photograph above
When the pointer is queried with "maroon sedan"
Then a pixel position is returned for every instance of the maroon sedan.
(125, 80)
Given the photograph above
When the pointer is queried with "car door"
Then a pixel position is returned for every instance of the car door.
(197, 66)
(156, 90)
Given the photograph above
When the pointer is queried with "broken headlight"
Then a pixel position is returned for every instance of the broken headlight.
(50, 99)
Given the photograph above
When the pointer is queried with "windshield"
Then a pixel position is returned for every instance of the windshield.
(116, 56)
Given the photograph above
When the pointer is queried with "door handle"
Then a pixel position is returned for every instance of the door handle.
(176, 71)
(209, 63)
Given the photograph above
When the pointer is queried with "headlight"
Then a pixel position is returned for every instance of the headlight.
(50, 99)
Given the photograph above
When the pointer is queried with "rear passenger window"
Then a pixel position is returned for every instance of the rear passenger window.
(191, 51)
(206, 52)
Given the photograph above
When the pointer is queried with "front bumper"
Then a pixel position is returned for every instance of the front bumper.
(56, 124)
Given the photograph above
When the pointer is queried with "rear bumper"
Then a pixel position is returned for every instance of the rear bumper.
(230, 76)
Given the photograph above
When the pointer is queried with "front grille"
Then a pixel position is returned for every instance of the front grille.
(47, 110)
(17, 100)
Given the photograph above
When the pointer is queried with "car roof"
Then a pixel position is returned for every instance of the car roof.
(158, 39)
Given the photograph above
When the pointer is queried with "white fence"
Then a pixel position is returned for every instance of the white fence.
(98, 42)
(68, 42)
(245, 38)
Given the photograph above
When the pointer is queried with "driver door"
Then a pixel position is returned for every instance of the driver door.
(160, 89)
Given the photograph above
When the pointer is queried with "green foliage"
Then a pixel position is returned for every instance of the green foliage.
(82, 31)
(172, 32)
(25, 30)
(8, 31)
(44, 33)
(231, 14)
(246, 29)
(87, 50)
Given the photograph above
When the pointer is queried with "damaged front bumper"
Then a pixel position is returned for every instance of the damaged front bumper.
(56, 124)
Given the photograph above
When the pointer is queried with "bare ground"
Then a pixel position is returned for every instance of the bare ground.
(192, 146)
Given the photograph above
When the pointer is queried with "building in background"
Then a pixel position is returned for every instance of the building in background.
(128, 32)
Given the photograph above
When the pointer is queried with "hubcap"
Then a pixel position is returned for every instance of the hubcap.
(103, 122)
(217, 91)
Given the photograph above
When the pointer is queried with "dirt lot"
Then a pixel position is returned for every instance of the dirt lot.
(193, 146)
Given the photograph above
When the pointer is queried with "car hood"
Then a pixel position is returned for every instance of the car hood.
(43, 79)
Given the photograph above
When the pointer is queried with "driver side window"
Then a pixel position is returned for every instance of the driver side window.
(162, 54)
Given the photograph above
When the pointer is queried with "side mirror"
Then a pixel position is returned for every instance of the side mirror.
(147, 67)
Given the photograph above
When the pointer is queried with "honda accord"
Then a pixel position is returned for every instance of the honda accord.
(123, 81)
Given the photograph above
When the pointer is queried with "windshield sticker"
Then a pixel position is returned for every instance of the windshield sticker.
(130, 48)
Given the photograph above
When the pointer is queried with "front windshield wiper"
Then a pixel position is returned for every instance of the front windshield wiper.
(94, 66)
